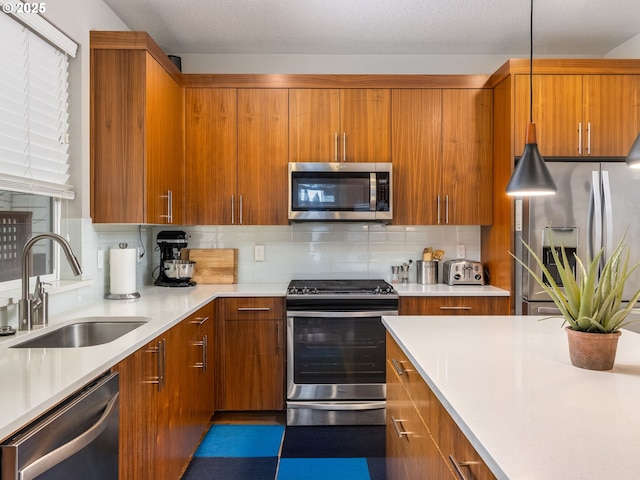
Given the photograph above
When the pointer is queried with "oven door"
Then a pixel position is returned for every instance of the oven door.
(335, 367)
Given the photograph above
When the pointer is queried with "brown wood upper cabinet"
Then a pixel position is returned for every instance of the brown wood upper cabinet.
(339, 125)
(442, 141)
(579, 115)
(236, 156)
(136, 131)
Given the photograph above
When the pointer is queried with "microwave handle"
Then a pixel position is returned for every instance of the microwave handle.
(373, 197)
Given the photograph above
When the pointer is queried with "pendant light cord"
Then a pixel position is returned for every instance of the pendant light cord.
(531, 65)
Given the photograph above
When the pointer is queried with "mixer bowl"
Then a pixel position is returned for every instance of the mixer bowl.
(178, 269)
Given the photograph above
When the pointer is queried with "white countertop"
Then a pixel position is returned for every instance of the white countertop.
(33, 380)
(510, 386)
(444, 290)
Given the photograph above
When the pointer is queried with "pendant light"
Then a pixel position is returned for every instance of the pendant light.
(633, 157)
(531, 175)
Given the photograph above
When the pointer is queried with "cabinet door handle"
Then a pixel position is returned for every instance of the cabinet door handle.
(400, 431)
(200, 320)
(335, 147)
(580, 138)
(457, 466)
(398, 367)
(241, 210)
(233, 210)
(446, 215)
(439, 210)
(169, 215)
(588, 138)
(254, 309)
(445, 307)
(159, 379)
(278, 335)
(344, 146)
(204, 344)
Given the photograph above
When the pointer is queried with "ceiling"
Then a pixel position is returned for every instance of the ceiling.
(383, 27)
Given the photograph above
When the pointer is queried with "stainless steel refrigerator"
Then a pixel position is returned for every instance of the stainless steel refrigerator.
(597, 201)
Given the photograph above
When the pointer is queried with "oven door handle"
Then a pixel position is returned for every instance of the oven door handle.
(325, 314)
(349, 406)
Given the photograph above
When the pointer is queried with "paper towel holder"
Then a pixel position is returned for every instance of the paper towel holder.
(122, 296)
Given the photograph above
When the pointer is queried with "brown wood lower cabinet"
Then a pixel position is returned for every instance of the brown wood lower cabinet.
(253, 362)
(460, 305)
(423, 441)
(166, 399)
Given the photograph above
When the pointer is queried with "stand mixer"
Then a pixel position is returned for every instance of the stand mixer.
(174, 272)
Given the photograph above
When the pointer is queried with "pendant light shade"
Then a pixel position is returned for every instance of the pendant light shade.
(633, 158)
(531, 175)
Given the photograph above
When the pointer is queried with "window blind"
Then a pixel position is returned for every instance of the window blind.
(34, 149)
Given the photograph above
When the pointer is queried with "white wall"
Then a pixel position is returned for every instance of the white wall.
(345, 64)
(629, 49)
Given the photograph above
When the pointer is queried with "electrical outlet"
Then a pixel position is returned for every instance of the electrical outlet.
(258, 253)
(461, 251)
(100, 259)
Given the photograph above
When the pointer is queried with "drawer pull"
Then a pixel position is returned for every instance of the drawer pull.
(444, 307)
(400, 432)
(254, 309)
(457, 466)
(200, 320)
(398, 368)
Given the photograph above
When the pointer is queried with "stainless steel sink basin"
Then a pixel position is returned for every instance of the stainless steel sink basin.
(90, 332)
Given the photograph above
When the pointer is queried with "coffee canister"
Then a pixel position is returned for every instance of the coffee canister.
(427, 272)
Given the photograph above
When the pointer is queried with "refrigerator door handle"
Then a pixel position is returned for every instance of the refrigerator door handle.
(608, 215)
(594, 216)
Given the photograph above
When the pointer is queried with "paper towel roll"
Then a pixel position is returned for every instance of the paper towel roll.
(122, 262)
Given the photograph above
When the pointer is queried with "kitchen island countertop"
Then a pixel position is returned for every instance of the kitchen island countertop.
(508, 383)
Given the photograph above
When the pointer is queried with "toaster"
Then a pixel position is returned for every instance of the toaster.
(463, 272)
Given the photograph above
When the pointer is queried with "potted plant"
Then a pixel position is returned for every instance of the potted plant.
(590, 302)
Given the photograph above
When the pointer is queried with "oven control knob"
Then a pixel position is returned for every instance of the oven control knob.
(305, 290)
(315, 291)
(293, 291)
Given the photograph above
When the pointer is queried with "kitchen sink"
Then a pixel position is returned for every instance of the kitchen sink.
(86, 332)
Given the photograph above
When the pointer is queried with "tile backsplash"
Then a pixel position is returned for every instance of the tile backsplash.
(303, 250)
(330, 250)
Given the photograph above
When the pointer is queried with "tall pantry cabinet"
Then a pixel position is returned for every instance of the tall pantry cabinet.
(136, 131)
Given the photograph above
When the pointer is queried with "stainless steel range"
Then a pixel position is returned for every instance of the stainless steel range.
(336, 351)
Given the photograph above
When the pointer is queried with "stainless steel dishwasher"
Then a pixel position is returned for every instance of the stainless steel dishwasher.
(76, 439)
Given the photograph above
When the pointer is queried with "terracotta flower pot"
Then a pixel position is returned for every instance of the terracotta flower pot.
(592, 351)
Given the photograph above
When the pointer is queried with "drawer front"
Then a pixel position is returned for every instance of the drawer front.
(413, 383)
(254, 308)
(457, 449)
(411, 451)
(454, 305)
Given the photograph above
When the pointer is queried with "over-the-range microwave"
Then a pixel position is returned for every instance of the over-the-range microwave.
(333, 191)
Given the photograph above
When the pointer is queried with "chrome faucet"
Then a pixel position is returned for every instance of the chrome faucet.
(35, 306)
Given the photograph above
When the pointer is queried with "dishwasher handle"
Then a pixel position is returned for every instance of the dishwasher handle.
(50, 460)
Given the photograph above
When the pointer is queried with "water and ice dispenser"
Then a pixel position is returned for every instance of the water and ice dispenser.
(566, 237)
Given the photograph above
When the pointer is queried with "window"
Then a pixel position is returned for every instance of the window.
(34, 149)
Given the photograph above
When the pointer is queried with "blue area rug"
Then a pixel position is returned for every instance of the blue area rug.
(271, 452)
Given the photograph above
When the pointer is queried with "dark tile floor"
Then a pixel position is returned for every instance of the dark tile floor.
(275, 452)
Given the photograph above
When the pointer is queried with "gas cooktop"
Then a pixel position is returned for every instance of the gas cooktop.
(340, 287)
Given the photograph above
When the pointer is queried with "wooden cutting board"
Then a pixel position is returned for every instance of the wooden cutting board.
(213, 265)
